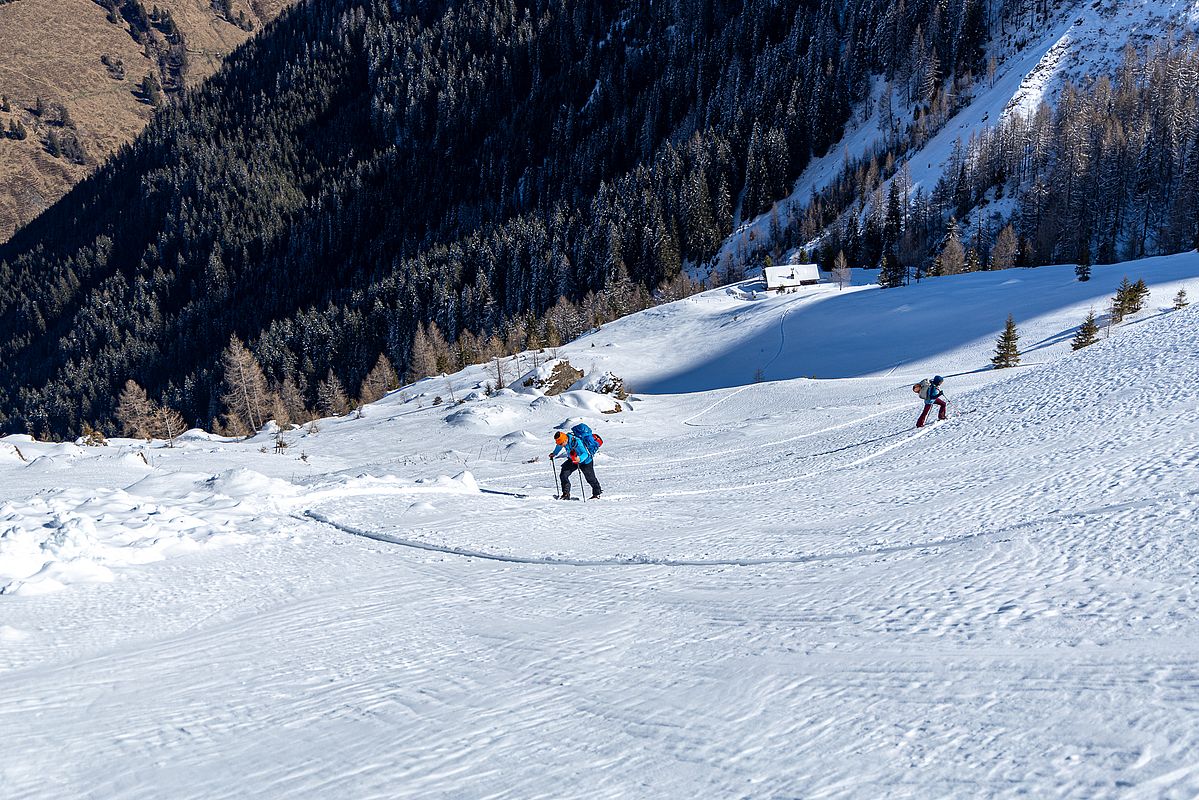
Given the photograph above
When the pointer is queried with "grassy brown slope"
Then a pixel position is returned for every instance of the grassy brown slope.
(52, 49)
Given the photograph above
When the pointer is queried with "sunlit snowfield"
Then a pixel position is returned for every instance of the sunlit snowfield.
(786, 591)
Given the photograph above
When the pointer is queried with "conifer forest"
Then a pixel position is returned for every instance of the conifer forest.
(423, 184)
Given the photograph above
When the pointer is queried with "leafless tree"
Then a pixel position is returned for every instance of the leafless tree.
(246, 398)
(379, 381)
(841, 271)
(135, 412)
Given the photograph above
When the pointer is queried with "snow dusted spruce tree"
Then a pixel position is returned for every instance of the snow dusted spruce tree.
(974, 262)
(1007, 353)
(1180, 300)
(246, 398)
(1088, 332)
(331, 399)
(891, 273)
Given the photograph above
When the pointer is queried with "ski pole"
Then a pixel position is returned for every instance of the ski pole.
(557, 487)
(582, 489)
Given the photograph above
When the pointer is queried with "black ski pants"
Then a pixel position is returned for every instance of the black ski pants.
(568, 469)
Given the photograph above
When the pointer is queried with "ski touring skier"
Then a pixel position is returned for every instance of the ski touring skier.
(930, 392)
(579, 444)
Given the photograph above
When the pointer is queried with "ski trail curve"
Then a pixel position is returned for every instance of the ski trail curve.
(782, 339)
(729, 396)
(650, 561)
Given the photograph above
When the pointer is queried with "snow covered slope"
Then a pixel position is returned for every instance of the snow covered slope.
(1083, 39)
(786, 591)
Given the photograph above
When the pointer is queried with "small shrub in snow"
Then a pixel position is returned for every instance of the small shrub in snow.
(1180, 300)
(499, 368)
(91, 437)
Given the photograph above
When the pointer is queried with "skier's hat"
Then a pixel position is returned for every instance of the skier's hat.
(560, 437)
(938, 379)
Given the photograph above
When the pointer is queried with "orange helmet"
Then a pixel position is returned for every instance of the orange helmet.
(560, 437)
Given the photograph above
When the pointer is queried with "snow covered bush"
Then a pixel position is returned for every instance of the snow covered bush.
(605, 383)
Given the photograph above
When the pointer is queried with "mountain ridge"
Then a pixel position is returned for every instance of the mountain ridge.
(79, 55)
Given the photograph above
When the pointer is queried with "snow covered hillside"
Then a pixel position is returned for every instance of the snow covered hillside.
(786, 591)
(1082, 40)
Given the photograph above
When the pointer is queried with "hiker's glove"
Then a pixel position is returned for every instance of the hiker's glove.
(574, 457)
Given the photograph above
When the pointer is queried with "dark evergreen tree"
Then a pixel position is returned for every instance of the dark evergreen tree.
(1138, 297)
(757, 175)
(151, 89)
(1088, 332)
(1007, 351)
(331, 399)
(1124, 303)
(1083, 269)
(891, 273)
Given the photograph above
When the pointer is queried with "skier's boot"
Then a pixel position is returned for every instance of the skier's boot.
(597, 495)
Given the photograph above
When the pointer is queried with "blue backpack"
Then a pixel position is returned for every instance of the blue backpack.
(590, 439)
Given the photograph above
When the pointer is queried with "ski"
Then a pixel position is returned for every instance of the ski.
(505, 494)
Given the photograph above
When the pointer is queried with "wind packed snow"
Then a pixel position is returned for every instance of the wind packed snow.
(787, 590)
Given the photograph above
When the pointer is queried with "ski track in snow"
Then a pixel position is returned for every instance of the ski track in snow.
(804, 597)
